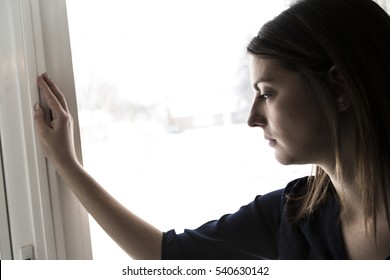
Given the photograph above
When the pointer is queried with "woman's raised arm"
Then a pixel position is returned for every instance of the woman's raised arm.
(139, 239)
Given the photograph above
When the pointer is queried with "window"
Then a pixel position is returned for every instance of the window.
(44, 217)
(163, 94)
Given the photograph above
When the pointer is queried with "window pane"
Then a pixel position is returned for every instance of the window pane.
(163, 94)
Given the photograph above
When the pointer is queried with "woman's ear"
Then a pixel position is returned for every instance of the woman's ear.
(340, 89)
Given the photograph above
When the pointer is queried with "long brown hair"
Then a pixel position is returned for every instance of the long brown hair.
(354, 35)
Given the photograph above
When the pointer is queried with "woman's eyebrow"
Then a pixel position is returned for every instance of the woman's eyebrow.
(262, 80)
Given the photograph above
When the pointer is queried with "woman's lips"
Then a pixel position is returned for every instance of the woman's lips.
(272, 142)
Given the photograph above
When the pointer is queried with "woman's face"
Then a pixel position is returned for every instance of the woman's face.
(290, 116)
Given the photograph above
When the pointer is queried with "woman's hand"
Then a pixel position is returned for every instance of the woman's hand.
(55, 135)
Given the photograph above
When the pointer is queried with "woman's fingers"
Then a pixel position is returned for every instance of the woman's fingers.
(51, 98)
(55, 90)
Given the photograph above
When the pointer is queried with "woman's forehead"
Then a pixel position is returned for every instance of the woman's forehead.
(265, 69)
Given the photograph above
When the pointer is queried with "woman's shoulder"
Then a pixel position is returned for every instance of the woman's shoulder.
(274, 202)
(297, 186)
(293, 188)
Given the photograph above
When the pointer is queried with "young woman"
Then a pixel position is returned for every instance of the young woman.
(321, 76)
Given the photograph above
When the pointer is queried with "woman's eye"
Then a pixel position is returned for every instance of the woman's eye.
(263, 96)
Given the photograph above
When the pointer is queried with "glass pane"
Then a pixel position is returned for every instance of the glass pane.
(163, 94)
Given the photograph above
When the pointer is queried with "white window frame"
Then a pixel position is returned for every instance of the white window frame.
(42, 212)
(5, 240)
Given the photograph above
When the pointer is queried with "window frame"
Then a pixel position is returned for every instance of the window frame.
(42, 211)
(5, 240)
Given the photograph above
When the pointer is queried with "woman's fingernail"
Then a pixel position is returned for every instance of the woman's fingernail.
(37, 107)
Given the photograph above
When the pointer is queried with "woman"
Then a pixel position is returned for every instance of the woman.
(320, 71)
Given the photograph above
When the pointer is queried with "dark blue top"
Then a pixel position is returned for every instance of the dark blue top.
(261, 230)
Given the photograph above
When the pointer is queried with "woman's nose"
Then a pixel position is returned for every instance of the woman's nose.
(256, 117)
